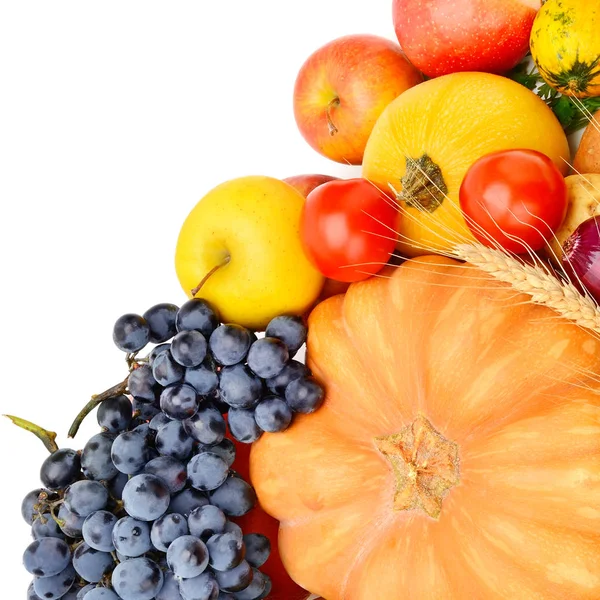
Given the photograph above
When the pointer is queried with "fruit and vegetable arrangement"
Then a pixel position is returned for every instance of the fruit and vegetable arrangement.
(379, 387)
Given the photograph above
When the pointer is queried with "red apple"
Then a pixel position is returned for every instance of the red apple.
(441, 37)
(343, 87)
(305, 184)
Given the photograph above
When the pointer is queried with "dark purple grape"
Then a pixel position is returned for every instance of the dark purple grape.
(137, 579)
(115, 414)
(45, 526)
(70, 523)
(97, 530)
(203, 378)
(197, 314)
(161, 321)
(203, 587)
(242, 425)
(172, 472)
(187, 556)
(229, 344)
(186, 501)
(239, 386)
(31, 595)
(225, 596)
(225, 550)
(231, 527)
(85, 497)
(292, 370)
(116, 484)
(179, 401)
(29, 503)
(146, 497)
(258, 549)
(131, 537)
(189, 348)
(172, 440)
(236, 579)
(166, 370)
(304, 395)
(85, 589)
(167, 529)
(96, 461)
(159, 421)
(130, 452)
(267, 357)
(100, 594)
(142, 385)
(290, 330)
(207, 426)
(235, 497)
(272, 414)
(256, 589)
(60, 469)
(170, 588)
(156, 351)
(91, 564)
(207, 471)
(143, 413)
(55, 586)
(225, 449)
(46, 557)
(205, 521)
(268, 584)
(131, 333)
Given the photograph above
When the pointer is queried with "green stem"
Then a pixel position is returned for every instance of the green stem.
(47, 437)
(97, 399)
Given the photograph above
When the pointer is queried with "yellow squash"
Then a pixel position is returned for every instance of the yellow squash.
(426, 139)
(565, 45)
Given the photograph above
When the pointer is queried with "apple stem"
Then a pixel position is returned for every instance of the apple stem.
(224, 262)
(115, 390)
(47, 437)
(332, 104)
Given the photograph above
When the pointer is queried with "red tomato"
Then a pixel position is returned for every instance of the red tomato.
(347, 229)
(518, 198)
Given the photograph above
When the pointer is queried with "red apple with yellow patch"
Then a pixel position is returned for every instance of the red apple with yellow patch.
(343, 87)
(441, 37)
(305, 184)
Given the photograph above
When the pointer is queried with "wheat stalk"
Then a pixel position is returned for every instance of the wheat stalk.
(542, 286)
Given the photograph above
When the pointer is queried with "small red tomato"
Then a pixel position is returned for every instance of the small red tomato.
(514, 198)
(347, 229)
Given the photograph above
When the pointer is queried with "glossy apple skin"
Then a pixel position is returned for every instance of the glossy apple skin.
(305, 184)
(441, 37)
(356, 76)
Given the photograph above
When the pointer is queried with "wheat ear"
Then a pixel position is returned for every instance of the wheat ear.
(543, 287)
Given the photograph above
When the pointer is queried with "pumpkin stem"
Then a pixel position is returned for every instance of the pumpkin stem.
(425, 465)
(423, 186)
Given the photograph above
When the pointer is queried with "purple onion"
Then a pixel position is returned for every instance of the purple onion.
(581, 256)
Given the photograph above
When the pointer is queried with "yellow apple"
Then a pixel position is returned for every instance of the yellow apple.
(241, 247)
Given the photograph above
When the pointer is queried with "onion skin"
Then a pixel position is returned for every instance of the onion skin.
(581, 256)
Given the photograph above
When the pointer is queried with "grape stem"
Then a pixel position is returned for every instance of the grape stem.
(47, 437)
(96, 400)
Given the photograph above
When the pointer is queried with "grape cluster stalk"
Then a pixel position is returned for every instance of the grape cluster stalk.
(146, 510)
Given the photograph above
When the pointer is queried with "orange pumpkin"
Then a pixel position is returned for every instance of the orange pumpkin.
(457, 454)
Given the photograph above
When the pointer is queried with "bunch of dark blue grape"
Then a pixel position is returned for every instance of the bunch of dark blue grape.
(208, 369)
(144, 511)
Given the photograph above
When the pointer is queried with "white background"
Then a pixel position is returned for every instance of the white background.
(116, 118)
